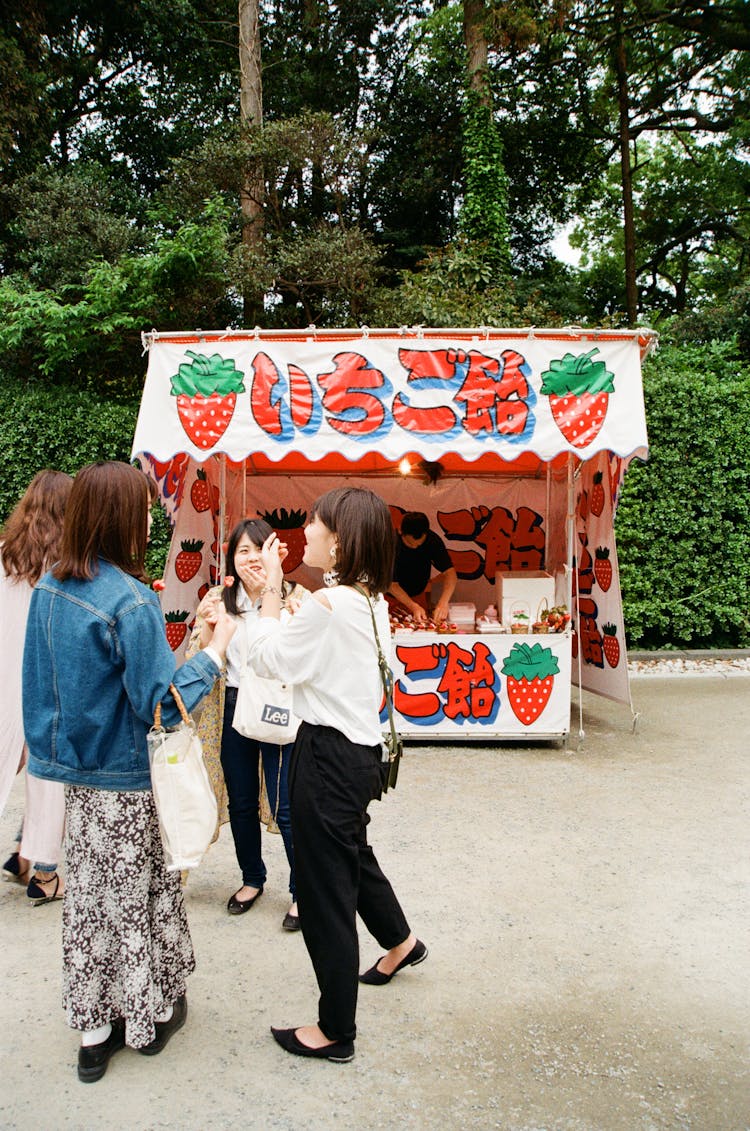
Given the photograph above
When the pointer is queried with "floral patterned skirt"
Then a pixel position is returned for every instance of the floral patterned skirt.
(126, 945)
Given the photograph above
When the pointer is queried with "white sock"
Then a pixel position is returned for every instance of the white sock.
(165, 1016)
(95, 1036)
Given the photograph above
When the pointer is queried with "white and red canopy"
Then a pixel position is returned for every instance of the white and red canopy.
(359, 401)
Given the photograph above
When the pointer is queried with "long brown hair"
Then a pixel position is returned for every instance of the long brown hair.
(31, 536)
(107, 517)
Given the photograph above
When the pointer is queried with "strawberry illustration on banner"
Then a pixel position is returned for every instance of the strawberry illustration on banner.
(188, 561)
(206, 389)
(578, 389)
(176, 628)
(602, 567)
(200, 495)
(290, 527)
(597, 494)
(530, 671)
(611, 645)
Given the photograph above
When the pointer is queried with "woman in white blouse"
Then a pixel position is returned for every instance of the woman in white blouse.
(328, 652)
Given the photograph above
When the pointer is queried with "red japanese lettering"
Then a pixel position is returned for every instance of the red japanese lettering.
(527, 540)
(583, 572)
(301, 400)
(591, 642)
(428, 369)
(508, 542)
(467, 681)
(264, 405)
(424, 705)
(494, 393)
(353, 410)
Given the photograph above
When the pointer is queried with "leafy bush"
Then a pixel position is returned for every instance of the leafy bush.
(683, 525)
(64, 429)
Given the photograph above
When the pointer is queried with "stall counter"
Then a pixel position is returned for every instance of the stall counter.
(481, 686)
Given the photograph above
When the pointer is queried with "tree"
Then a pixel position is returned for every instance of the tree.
(485, 206)
(251, 116)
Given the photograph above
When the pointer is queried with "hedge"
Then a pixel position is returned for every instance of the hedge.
(683, 524)
(64, 429)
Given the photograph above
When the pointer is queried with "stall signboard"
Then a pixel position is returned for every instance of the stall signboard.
(514, 443)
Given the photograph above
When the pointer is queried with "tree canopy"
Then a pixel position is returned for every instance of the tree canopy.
(415, 160)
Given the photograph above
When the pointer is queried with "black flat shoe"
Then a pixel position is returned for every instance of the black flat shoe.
(166, 1029)
(375, 977)
(37, 893)
(240, 906)
(12, 869)
(340, 1052)
(93, 1059)
(291, 922)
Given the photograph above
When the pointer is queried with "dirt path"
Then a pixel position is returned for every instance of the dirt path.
(588, 920)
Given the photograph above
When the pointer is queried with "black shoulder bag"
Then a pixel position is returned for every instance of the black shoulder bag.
(393, 746)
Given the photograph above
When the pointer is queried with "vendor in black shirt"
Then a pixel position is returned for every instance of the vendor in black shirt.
(418, 552)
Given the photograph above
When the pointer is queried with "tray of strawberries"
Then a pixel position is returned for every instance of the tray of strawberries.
(405, 622)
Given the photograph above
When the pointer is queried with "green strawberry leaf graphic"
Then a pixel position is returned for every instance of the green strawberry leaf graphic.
(526, 661)
(206, 375)
(576, 374)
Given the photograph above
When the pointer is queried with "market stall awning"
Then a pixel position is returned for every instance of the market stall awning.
(477, 400)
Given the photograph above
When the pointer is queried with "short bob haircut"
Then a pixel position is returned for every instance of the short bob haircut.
(366, 539)
(257, 530)
(31, 536)
(415, 524)
(106, 517)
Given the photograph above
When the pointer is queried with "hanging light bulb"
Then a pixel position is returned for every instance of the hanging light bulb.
(404, 466)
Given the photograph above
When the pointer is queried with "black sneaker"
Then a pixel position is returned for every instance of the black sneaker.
(93, 1059)
(165, 1029)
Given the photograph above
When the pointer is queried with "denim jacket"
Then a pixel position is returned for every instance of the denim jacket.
(96, 662)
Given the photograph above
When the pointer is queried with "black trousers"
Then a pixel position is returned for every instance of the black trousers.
(331, 783)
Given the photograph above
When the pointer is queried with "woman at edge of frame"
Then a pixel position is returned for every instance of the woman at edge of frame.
(96, 663)
(328, 652)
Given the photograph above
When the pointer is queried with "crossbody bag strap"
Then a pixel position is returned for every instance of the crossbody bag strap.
(386, 674)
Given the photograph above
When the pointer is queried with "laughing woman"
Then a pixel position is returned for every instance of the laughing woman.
(96, 663)
(241, 756)
(328, 652)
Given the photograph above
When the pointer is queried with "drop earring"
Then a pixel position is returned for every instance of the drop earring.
(331, 576)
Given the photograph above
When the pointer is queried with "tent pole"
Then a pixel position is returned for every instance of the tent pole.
(222, 512)
(571, 551)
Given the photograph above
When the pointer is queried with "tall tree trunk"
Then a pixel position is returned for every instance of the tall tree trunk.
(623, 102)
(251, 114)
(484, 214)
(475, 16)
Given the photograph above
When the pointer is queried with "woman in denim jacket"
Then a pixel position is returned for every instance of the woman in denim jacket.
(96, 663)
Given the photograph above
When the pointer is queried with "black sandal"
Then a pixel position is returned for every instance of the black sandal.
(35, 891)
(12, 869)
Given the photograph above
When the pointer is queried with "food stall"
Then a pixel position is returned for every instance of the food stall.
(513, 442)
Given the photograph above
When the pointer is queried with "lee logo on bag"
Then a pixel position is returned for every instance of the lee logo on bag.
(275, 716)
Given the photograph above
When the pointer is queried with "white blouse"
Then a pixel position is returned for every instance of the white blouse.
(330, 658)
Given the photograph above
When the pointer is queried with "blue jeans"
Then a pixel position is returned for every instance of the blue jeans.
(239, 761)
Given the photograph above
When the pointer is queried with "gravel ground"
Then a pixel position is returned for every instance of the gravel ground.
(707, 664)
(587, 916)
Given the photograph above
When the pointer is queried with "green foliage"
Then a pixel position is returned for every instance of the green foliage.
(43, 426)
(683, 524)
(92, 340)
(458, 286)
(484, 215)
